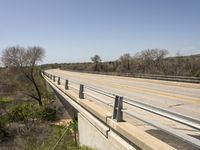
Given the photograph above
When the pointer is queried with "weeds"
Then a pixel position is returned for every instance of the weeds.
(5, 99)
(47, 113)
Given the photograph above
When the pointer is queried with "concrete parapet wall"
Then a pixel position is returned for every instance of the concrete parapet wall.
(89, 135)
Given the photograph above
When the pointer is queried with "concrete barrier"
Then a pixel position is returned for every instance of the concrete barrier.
(90, 136)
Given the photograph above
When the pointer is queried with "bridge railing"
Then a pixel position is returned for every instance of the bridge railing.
(118, 108)
(169, 78)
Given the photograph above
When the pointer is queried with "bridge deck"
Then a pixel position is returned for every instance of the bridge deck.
(180, 97)
(183, 98)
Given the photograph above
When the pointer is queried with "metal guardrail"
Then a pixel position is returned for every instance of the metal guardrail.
(169, 78)
(193, 141)
(118, 109)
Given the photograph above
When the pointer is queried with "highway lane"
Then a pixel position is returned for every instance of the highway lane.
(183, 98)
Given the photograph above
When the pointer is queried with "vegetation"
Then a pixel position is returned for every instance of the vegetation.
(23, 62)
(27, 125)
(5, 99)
(73, 125)
(150, 61)
(3, 127)
(96, 59)
(30, 111)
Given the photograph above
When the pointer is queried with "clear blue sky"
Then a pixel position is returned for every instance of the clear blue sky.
(75, 30)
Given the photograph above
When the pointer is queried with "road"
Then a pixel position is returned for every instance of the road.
(183, 98)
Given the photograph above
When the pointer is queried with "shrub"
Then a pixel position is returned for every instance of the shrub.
(27, 111)
(23, 112)
(47, 113)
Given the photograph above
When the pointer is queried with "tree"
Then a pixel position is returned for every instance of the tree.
(96, 59)
(74, 126)
(151, 59)
(25, 61)
(125, 61)
(153, 54)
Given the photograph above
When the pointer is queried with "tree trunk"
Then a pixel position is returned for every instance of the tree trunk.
(128, 66)
(37, 90)
(96, 66)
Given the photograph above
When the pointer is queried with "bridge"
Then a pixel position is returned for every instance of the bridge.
(119, 113)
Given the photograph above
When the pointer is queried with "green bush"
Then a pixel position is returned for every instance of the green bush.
(47, 113)
(26, 111)
(23, 112)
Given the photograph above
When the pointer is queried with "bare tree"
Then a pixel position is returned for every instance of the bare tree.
(125, 61)
(151, 59)
(96, 59)
(25, 61)
(153, 54)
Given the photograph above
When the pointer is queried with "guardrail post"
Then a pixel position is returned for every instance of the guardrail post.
(51, 76)
(54, 78)
(117, 110)
(81, 89)
(58, 80)
(66, 85)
